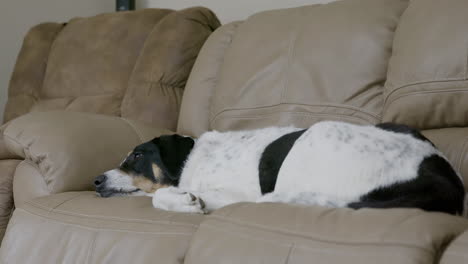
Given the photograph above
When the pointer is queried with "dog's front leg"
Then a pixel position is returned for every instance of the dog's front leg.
(178, 200)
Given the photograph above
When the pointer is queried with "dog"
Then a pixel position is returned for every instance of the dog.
(332, 164)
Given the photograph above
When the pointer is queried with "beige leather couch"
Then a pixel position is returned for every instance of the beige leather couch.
(132, 65)
(359, 61)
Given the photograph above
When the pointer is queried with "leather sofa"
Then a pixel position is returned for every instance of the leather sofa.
(132, 65)
(359, 61)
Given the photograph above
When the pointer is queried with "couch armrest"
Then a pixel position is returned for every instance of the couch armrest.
(283, 233)
(64, 151)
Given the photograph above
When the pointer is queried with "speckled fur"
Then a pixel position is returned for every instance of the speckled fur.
(330, 164)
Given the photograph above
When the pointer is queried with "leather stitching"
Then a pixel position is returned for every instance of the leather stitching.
(215, 78)
(314, 237)
(442, 80)
(106, 229)
(113, 218)
(388, 104)
(338, 106)
(256, 227)
(342, 116)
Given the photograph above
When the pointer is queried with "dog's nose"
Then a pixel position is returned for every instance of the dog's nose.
(100, 180)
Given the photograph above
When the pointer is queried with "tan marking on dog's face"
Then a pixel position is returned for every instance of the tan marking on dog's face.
(156, 171)
(146, 184)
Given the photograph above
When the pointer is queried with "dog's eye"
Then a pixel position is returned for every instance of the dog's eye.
(138, 155)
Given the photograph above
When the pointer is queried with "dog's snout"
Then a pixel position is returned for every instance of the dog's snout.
(100, 180)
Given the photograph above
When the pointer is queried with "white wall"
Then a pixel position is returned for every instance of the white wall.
(229, 10)
(17, 16)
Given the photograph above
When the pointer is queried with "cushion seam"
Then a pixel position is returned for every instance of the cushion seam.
(337, 106)
(376, 243)
(100, 228)
(388, 104)
(216, 77)
(442, 80)
(117, 219)
(258, 116)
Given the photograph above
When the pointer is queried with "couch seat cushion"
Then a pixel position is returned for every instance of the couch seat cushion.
(79, 227)
(280, 233)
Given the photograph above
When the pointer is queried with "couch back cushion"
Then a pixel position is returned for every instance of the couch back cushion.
(294, 66)
(130, 64)
(427, 83)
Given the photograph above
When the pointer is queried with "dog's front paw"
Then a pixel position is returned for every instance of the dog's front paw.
(174, 199)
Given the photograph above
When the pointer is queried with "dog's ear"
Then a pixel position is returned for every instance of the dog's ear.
(174, 150)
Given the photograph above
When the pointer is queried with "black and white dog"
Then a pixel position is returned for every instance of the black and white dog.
(330, 164)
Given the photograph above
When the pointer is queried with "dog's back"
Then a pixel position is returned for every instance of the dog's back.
(331, 163)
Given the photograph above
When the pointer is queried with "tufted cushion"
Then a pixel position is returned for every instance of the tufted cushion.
(28, 75)
(79, 227)
(427, 83)
(92, 64)
(281, 233)
(308, 64)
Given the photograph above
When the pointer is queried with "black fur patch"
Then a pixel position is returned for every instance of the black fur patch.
(167, 152)
(272, 159)
(173, 151)
(404, 129)
(436, 188)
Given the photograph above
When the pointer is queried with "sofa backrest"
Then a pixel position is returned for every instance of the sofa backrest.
(360, 61)
(295, 66)
(129, 64)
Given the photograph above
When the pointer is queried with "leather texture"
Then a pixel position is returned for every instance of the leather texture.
(194, 118)
(453, 142)
(129, 64)
(158, 79)
(28, 74)
(359, 61)
(4, 152)
(64, 151)
(64, 228)
(281, 233)
(457, 252)
(303, 71)
(427, 77)
(7, 170)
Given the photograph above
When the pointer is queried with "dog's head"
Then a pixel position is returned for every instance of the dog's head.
(151, 165)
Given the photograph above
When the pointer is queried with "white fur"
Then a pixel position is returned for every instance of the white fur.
(344, 161)
(118, 180)
(223, 167)
(331, 164)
